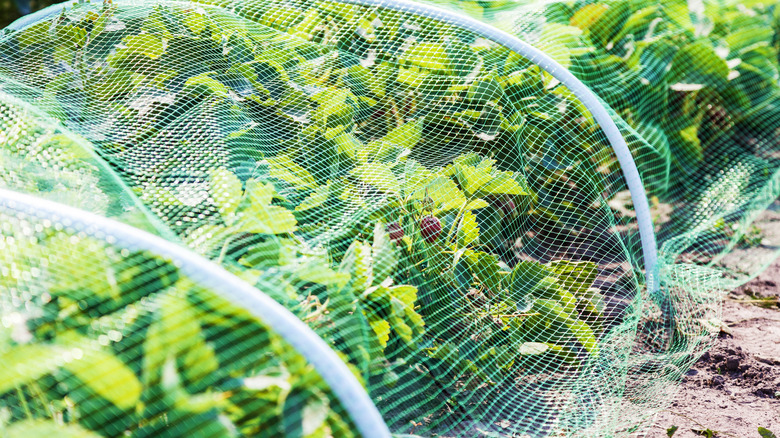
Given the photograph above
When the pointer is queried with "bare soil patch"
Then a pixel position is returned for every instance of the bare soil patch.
(735, 387)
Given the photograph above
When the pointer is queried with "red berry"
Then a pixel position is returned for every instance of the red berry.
(508, 207)
(430, 228)
(395, 231)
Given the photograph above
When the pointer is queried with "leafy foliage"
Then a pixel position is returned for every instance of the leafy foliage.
(406, 128)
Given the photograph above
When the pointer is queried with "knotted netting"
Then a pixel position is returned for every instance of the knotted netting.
(458, 208)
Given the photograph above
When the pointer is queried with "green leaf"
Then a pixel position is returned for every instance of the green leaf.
(398, 320)
(111, 85)
(670, 431)
(36, 34)
(102, 372)
(25, 364)
(195, 21)
(284, 168)
(357, 263)
(480, 182)
(107, 376)
(47, 428)
(678, 12)
(576, 277)
(205, 85)
(336, 108)
(525, 277)
(589, 14)
(765, 433)
(177, 334)
(382, 330)
(316, 198)
(384, 254)
(143, 45)
(428, 56)
(559, 318)
(699, 64)
(405, 136)
(91, 253)
(261, 217)
(378, 175)
(686, 148)
(226, 191)
(485, 266)
(71, 35)
(709, 433)
(468, 231)
(609, 23)
(361, 81)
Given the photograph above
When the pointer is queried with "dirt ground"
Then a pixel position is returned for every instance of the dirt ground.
(735, 387)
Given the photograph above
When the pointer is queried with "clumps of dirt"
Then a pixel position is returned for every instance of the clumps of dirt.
(734, 371)
(734, 388)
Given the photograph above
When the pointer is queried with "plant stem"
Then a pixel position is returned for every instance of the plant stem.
(223, 251)
(23, 400)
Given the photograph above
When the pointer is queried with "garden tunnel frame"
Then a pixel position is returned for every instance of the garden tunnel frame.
(344, 385)
(544, 61)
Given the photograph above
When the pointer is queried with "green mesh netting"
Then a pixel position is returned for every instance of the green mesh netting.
(447, 209)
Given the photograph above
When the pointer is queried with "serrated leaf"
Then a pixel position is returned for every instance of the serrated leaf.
(267, 219)
(195, 21)
(261, 217)
(205, 85)
(145, 44)
(586, 16)
(398, 320)
(316, 198)
(698, 63)
(378, 175)
(428, 56)
(284, 168)
(405, 136)
(559, 318)
(468, 230)
(382, 330)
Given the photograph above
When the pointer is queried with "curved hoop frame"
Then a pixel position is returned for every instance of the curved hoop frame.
(332, 369)
(582, 92)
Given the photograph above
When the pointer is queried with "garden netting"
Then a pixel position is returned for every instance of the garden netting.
(323, 218)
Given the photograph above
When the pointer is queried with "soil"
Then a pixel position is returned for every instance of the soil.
(735, 387)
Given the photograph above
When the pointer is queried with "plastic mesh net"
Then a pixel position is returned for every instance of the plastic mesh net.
(446, 208)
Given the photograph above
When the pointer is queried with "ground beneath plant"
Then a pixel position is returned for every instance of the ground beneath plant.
(735, 387)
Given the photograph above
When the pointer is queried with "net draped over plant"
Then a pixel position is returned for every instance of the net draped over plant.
(444, 212)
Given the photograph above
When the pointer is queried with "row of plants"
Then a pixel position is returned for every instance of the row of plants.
(697, 83)
(97, 340)
(376, 169)
(376, 191)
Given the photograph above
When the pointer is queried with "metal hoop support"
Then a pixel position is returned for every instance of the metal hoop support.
(590, 100)
(580, 90)
(332, 369)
